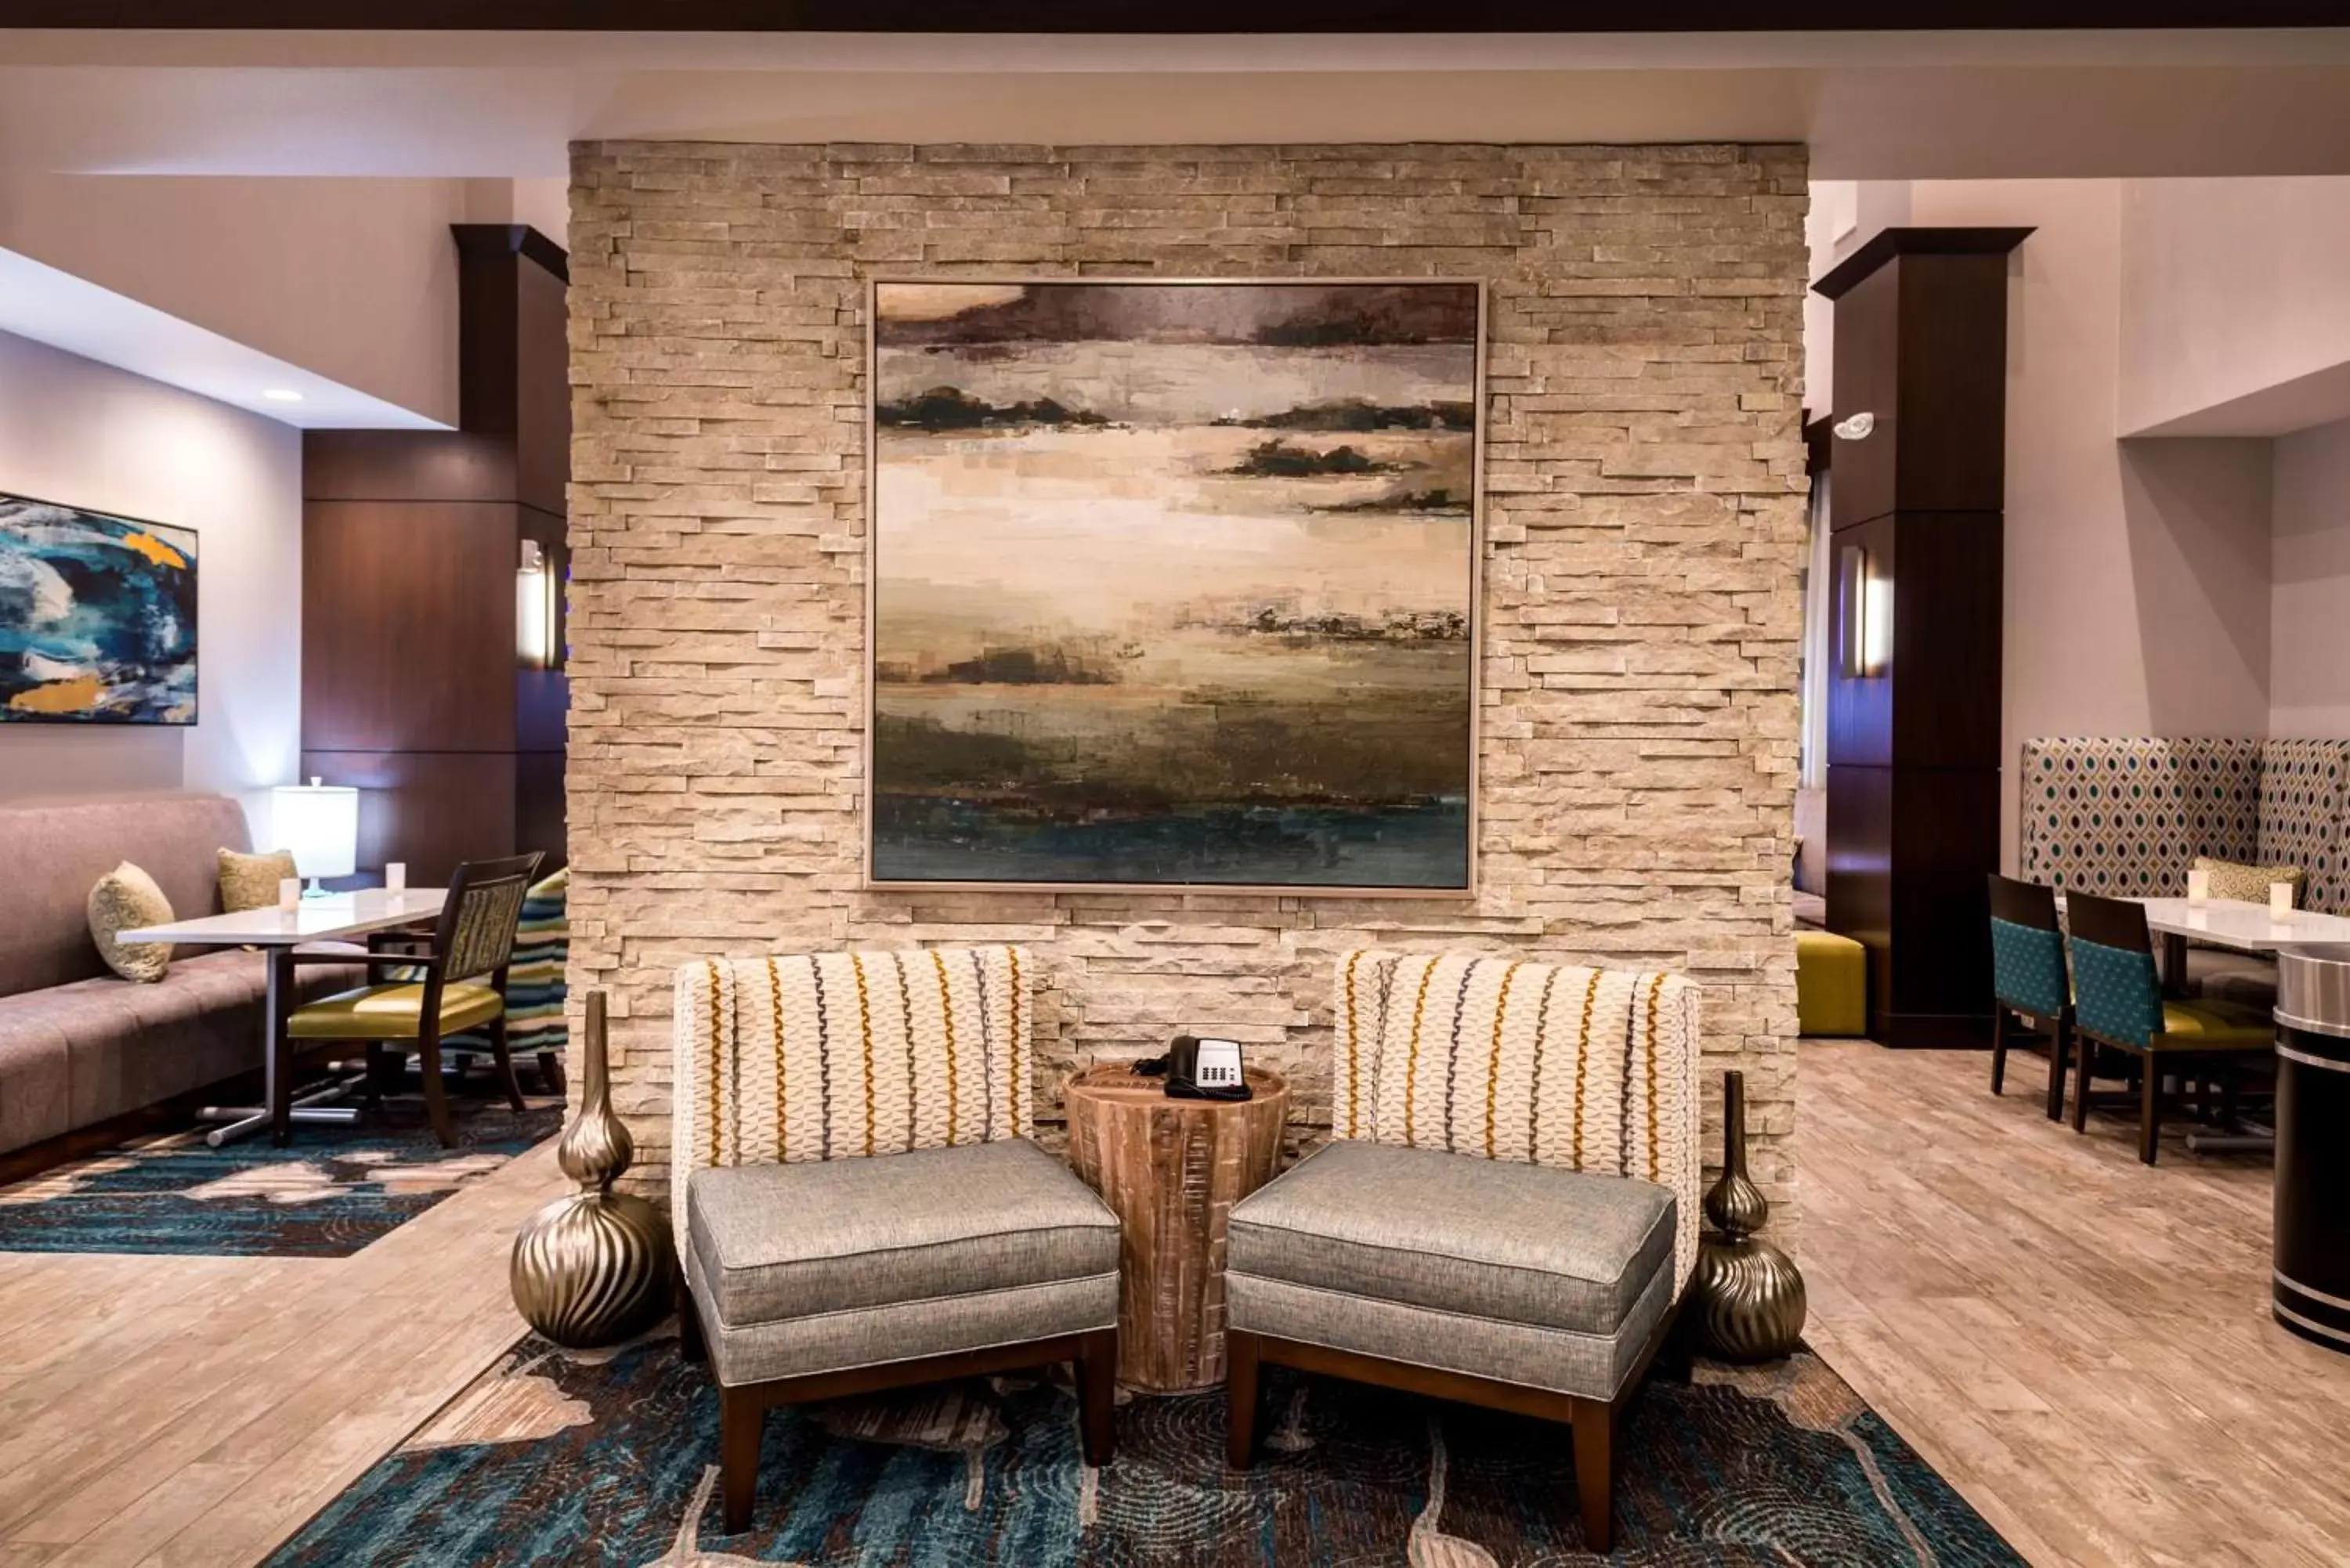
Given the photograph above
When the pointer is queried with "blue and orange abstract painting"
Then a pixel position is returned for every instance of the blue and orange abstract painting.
(98, 618)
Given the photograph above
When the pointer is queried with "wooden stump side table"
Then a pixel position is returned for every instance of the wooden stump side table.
(1172, 1169)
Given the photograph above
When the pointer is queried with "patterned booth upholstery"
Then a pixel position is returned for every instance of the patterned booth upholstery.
(1509, 1212)
(858, 1202)
(2126, 818)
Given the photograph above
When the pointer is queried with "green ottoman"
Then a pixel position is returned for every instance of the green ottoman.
(1831, 984)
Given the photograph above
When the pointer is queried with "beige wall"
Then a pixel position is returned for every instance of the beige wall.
(2235, 305)
(1644, 508)
(2309, 682)
(354, 279)
(90, 435)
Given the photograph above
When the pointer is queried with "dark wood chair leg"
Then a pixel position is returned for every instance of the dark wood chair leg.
(2086, 1071)
(2229, 1100)
(550, 1072)
(504, 1058)
(1595, 1459)
(436, 1093)
(1240, 1398)
(1097, 1372)
(1997, 1047)
(2060, 1042)
(741, 1421)
(374, 1078)
(2149, 1112)
(690, 1346)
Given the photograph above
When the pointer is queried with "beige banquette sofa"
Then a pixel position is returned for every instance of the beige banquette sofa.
(77, 1044)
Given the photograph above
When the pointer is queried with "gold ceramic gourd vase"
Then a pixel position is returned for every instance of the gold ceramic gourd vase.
(595, 1268)
(1747, 1296)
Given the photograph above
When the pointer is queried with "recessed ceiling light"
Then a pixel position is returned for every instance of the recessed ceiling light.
(283, 395)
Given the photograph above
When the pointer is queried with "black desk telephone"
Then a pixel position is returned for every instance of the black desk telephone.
(1198, 1069)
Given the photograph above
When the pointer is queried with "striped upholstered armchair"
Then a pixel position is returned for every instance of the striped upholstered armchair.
(1508, 1214)
(858, 1202)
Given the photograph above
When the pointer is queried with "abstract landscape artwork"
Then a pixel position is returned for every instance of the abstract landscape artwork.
(1174, 584)
(98, 618)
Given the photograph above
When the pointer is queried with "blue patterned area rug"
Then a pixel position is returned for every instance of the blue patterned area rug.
(553, 1459)
(328, 1194)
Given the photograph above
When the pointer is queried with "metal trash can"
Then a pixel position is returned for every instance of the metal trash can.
(2311, 1288)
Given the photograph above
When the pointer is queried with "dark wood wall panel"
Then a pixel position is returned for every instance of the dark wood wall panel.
(1914, 744)
(412, 686)
(408, 626)
(428, 809)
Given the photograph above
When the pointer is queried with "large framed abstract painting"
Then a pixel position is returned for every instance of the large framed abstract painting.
(1174, 584)
(98, 618)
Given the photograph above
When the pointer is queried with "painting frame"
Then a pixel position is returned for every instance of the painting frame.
(871, 881)
(195, 653)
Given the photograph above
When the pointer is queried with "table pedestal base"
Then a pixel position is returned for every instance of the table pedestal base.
(312, 1107)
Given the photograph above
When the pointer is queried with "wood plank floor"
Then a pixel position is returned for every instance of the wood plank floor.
(2080, 1344)
(195, 1412)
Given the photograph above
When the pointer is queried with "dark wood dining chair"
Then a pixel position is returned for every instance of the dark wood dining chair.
(457, 983)
(2118, 1004)
(2028, 981)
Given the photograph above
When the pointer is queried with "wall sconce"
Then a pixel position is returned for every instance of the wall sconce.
(533, 608)
(1865, 613)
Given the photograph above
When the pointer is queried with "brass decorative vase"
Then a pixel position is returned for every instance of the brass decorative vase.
(1746, 1297)
(595, 1268)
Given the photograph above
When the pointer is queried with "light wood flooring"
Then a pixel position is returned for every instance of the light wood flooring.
(2080, 1343)
(195, 1412)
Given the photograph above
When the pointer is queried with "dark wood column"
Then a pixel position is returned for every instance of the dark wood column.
(413, 685)
(1917, 504)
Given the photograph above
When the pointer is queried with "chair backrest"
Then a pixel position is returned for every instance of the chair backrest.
(806, 1056)
(476, 934)
(2027, 951)
(2117, 993)
(1497, 1057)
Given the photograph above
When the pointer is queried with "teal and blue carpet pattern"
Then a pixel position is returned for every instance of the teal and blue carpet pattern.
(552, 1460)
(328, 1193)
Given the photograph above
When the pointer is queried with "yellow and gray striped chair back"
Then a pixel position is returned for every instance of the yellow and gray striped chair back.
(1486, 1055)
(809, 1056)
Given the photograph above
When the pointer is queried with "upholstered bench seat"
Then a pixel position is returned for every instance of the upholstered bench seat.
(1549, 1278)
(814, 1267)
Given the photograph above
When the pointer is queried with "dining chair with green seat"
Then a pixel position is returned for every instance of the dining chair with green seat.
(459, 982)
(2028, 980)
(2118, 1003)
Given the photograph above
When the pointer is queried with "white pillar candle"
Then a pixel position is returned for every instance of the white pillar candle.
(2280, 899)
(2198, 886)
(395, 877)
(289, 894)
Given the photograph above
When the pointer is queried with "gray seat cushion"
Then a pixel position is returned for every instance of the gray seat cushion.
(2222, 974)
(775, 1243)
(1516, 1273)
(1524, 1243)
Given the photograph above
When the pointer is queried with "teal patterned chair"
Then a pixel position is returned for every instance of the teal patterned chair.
(2118, 1004)
(2028, 980)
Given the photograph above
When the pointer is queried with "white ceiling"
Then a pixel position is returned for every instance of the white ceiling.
(1872, 106)
(55, 307)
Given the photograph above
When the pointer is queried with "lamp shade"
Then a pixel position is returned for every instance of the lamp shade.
(320, 824)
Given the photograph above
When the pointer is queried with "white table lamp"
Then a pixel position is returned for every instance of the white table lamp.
(320, 824)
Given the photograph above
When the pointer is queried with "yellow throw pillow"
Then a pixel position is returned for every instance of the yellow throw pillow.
(124, 899)
(250, 881)
(2250, 883)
